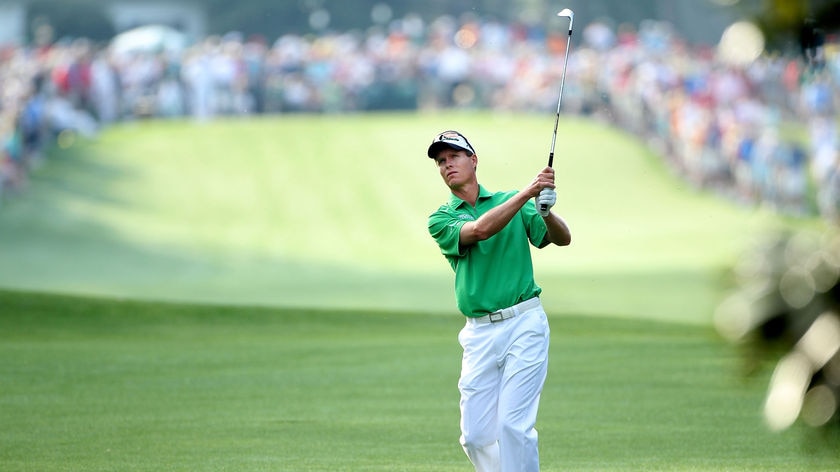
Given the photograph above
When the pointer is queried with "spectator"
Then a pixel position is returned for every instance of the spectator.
(709, 119)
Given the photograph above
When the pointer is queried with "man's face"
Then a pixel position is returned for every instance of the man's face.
(457, 168)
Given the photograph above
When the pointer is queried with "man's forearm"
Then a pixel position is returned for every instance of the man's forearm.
(558, 230)
(493, 221)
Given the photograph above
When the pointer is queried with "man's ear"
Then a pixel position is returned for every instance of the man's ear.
(475, 161)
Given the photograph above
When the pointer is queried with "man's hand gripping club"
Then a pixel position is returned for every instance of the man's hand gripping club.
(547, 197)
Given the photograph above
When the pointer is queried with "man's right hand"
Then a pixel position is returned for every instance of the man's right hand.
(543, 180)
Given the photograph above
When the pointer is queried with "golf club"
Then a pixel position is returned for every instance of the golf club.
(571, 16)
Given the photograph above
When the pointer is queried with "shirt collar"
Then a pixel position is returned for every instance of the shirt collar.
(455, 202)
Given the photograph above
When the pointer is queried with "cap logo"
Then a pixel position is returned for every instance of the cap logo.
(454, 139)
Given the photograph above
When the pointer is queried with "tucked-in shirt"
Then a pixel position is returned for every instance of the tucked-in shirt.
(495, 273)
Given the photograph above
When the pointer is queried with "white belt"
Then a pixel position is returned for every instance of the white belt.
(507, 313)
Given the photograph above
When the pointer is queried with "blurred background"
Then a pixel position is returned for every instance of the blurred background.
(710, 84)
(738, 98)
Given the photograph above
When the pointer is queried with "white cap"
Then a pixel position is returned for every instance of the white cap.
(450, 139)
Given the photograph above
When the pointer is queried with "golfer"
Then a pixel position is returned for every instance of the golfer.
(485, 237)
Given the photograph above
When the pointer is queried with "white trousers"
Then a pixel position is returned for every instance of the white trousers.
(502, 375)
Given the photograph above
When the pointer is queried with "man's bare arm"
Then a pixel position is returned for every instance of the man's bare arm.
(558, 230)
(493, 221)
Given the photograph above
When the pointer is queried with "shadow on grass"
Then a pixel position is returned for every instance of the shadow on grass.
(207, 386)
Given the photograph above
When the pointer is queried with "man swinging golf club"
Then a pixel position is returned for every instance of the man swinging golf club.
(486, 238)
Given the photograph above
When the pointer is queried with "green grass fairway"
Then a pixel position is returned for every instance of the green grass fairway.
(330, 212)
(100, 385)
(263, 295)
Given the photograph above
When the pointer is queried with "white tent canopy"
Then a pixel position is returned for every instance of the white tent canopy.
(149, 38)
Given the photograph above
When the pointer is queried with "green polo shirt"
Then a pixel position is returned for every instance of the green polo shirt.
(495, 273)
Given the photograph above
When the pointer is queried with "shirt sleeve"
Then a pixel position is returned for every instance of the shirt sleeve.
(445, 229)
(534, 225)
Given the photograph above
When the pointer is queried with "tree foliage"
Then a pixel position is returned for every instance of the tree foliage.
(787, 23)
(781, 20)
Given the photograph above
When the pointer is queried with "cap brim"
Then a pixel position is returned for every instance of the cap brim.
(436, 147)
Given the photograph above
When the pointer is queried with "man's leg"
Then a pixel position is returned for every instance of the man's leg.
(525, 369)
(479, 387)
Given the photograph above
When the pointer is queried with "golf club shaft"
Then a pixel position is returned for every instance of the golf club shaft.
(567, 13)
(560, 99)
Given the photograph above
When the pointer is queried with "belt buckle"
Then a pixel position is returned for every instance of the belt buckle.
(496, 316)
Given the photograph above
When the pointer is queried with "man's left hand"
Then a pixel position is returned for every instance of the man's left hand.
(546, 198)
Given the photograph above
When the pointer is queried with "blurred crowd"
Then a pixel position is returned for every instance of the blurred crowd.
(764, 133)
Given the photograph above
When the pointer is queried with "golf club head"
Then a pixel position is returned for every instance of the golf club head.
(568, 14)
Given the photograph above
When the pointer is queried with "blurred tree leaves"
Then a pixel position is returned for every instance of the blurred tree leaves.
(784, 22)
(781, 20)
(70, 18)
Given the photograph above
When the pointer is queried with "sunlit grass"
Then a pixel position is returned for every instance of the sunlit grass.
(328, 341)
(276, 210)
